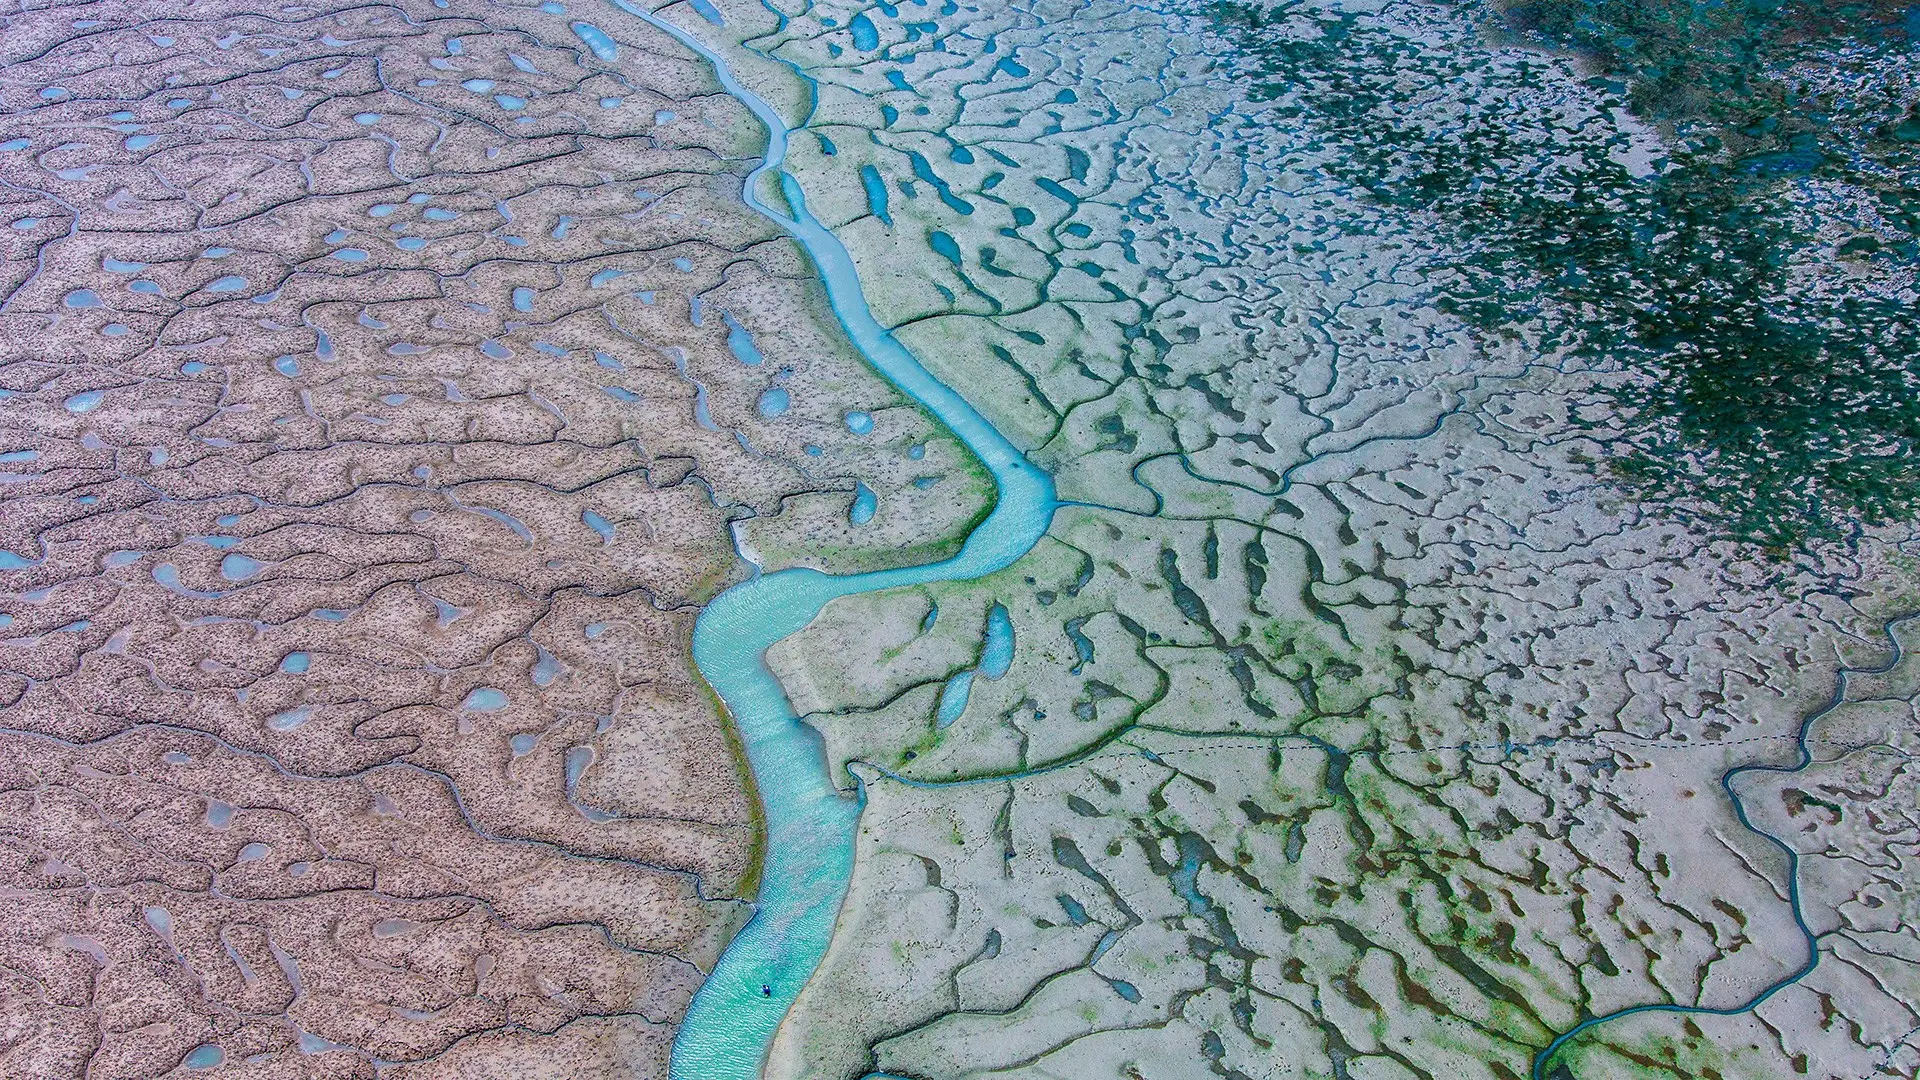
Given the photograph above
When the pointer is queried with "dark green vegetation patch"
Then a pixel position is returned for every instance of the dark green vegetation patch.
(1744, 294)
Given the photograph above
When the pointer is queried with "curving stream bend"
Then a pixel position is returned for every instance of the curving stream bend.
(1804, 758)
(810, 825)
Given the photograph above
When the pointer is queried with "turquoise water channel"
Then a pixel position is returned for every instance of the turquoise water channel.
(810, 825)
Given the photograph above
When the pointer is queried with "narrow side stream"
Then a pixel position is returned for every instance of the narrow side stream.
(1727, 781)
(810, 826)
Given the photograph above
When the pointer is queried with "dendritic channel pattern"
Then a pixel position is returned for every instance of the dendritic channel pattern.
(1354, 719)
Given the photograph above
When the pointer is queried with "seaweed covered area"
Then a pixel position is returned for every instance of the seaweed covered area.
(1745, 286)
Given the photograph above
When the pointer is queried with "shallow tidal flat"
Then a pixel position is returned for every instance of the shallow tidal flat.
(1406, 686)
(382, 391)
(1355, 718)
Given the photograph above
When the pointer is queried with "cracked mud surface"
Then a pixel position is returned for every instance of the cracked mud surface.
(385, 388)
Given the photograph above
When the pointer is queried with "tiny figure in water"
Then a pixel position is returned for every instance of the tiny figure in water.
(766, 990)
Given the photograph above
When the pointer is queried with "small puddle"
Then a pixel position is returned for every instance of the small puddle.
(597, 40)
(865, 503)
(484, 699)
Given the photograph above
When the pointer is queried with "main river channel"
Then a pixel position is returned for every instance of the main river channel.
(810, 825)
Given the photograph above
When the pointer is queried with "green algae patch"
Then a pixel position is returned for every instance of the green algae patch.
(1733, 285)
(1689, 1054)
(1343, 678)
(749, 884)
